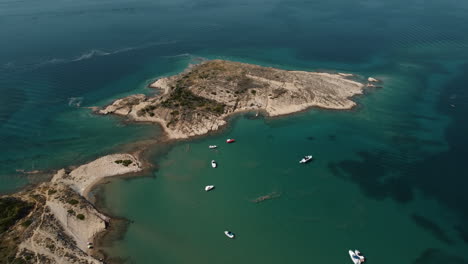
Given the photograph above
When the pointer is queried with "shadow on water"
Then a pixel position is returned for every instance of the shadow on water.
(463, 232)
(441, 176)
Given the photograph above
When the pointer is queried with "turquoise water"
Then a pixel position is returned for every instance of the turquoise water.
(388, 176)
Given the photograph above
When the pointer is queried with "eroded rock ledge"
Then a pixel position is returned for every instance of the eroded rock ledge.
(198, 100)
(54, 222)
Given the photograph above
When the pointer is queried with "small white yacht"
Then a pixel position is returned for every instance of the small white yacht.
(209, 188)
(306, 159)
(214, 164)
(212, 146)
(229, 234)
(356, 256)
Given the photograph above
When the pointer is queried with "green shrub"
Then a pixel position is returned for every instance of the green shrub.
(218, 109)
(253, 92)
(51, 191)
(127, 162)
(27, 223)
(80, 216)
(124, 162)
(71, 211)
(73, 202)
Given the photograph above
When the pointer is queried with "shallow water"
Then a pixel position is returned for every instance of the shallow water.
(388, 174)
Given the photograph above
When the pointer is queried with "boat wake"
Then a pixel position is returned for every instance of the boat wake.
(269, 196)
(93, 53)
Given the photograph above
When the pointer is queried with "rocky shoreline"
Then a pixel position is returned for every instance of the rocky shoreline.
(55, 222)
(199, 100)
(60, 223)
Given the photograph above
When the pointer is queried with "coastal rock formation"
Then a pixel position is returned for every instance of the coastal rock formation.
(198, 100)
(85, 176)
(56, 230)
(57, 222)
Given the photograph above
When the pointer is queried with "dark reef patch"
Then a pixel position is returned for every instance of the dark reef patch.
(440, 176)
(371, 175)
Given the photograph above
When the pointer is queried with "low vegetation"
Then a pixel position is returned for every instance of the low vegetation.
(73, 201)
(126, 163)
(147, 110)
(183, 99)
(11, 210)
(27, 223)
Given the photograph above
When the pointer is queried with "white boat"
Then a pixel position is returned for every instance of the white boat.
(306, 159)
(356, 257)
(209, 188)
(214, 164)
(229, 234)
(212, 146)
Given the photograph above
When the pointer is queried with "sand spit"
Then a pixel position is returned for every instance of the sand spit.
(83, 178)
(200, 99)
(62, 222)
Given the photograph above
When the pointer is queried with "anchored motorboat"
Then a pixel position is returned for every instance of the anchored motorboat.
(229, 234)
(209, 187)
(212, 146)
(230, 140)
(214, 164)
(306, 159)
(356, 256)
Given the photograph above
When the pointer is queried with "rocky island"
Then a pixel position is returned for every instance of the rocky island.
(198, 100)
(55, 222)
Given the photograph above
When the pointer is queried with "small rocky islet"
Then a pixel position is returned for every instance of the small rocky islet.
(198, 100)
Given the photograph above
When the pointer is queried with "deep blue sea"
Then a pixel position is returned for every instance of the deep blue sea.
(389, 177)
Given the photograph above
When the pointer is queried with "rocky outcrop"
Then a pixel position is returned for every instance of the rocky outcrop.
(62, 222)
(198, 101)
(57, 230)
